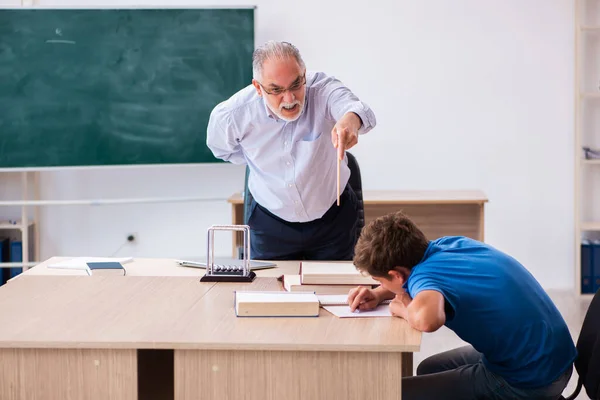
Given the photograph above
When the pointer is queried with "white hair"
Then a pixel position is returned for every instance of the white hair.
(273, 50)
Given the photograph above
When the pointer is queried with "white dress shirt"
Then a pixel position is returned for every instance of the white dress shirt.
(293, 170)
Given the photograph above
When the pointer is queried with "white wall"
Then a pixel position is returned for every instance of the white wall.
(468, 95)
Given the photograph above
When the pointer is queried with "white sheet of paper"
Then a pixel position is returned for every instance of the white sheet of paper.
(337, 299)
(81, 262)
(344, 312)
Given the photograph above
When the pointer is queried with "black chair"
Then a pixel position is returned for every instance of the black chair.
(247, 196)
(356, 185)
(587, 363)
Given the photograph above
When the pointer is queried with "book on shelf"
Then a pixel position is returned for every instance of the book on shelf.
(10, 252)
(591, 154)
(293, 283)
(16, 256)
(590, 266)
(333, 273)
(587, 267)
(4, 257)
(275, 304)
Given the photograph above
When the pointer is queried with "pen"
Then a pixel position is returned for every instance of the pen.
(358, 308)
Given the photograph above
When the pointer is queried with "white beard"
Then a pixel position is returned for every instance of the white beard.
(282, 105)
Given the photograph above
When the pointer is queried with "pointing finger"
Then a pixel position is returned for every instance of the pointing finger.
(334, 137)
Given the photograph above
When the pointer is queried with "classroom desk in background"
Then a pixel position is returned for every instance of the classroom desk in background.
(160, 333)
(437, 212)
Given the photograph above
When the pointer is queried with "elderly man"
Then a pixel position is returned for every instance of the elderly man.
(290, 127)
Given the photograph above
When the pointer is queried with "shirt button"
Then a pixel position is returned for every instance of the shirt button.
(287, 163)
(289, 184)
(295, 201)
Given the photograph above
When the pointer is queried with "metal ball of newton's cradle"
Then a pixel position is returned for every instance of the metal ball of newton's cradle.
(228, 273)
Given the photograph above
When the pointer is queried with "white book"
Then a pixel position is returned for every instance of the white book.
(333, 273)
(80, 263)
(276, 304)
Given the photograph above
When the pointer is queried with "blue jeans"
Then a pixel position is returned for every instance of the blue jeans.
(460, 374)
(331, 237)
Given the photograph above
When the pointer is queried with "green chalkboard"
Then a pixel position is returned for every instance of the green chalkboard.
(117, 86)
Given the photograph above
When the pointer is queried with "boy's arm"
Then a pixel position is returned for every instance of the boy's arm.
(424, 313)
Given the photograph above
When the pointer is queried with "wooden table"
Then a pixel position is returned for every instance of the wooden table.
(171, 336)
(437, 213)
(157, 267)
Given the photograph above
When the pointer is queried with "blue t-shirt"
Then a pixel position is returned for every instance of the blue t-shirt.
(498, 307)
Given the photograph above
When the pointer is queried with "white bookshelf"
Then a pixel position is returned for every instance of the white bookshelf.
(27, 229)
(587, 126)
(14, 225)
(589, 95)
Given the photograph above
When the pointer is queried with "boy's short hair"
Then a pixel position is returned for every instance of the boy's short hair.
(387, 242)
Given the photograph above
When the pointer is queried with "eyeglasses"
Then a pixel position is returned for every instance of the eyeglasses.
(280, 91)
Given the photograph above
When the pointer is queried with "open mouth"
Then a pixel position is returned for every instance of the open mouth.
(290, 110)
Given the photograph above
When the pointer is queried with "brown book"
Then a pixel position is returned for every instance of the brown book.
(333, 273)
(293, 283)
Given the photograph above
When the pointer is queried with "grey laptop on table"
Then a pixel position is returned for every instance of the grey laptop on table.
(225, 262)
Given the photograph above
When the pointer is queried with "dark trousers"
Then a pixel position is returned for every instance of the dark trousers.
(461, 374)
(331, 237)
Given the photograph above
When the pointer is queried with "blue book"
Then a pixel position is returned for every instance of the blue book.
(587, 266)
(4, 257)
(16, 255)
(594, 267)
(100, 268)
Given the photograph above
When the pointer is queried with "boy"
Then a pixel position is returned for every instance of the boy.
(520, 347)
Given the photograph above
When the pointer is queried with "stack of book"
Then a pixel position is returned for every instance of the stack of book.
(317, 284)
(327, 278)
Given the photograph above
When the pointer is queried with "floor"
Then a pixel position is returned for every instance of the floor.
(572, 308)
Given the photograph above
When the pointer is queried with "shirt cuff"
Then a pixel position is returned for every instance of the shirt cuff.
(365, 114)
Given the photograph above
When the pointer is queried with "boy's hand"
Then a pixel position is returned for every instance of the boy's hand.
(363, 299)
(399, 304)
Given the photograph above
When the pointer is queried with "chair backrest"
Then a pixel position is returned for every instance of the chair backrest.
(247, 196)
(356, 185)
(587, 363)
